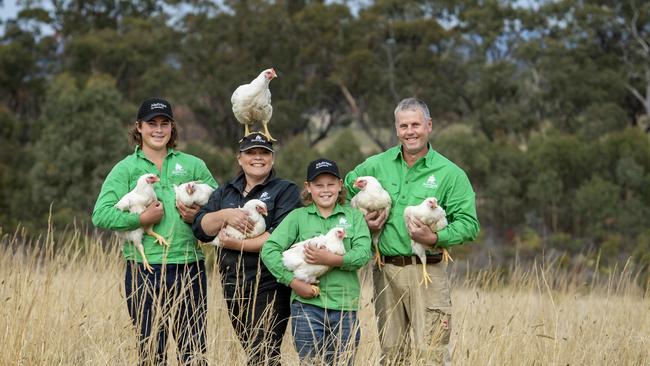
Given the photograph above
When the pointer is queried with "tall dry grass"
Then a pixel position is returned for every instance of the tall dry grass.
(62, 303)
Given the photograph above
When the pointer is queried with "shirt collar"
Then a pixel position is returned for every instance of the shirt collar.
(138, 151)
(428, 158)
(239, 181)
(312, 209)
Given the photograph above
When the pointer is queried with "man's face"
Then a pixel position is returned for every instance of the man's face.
(413, 131)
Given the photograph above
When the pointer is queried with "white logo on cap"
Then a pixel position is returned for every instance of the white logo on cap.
(258, 138)
(158, 106)
(323, 164)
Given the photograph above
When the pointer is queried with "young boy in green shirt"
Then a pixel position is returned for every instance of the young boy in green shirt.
(323, 325)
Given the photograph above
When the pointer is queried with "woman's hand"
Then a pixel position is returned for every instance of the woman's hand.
(239, 219)
(302, 288)
(188, 213)
(229, 242)
(152, 214)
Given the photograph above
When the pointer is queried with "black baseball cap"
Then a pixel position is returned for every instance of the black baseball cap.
(320, 166)
(255, 139)
(153, 107)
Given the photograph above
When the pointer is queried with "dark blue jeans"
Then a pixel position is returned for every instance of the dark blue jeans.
(324, 335)
(171, 300)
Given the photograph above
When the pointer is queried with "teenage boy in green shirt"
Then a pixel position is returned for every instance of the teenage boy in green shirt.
(323, 325)
(178, 280)
(411, 172)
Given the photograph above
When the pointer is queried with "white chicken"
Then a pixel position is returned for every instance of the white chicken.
(294, 257)
(252, 102)
(371, 197)
(193, 193)
(434, 216)
(255, 209)
(137, 201)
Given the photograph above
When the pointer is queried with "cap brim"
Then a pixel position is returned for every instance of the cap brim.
(309, 179)
(151, 116)
(254, 146)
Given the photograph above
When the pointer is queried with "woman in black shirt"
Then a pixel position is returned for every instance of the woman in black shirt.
(258, 305)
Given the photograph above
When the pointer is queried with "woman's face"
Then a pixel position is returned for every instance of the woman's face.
(256, 162)
(155, 133)
(324, 190)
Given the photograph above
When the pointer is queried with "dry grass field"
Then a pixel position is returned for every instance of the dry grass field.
(62, 303)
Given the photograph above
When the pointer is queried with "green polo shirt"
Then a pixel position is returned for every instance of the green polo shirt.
(340, 286)
(177, 168)
(432, 175)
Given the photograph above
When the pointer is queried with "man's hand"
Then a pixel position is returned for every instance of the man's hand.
(302, 288)
(421, 233)
(238, 219)
(376, 220)
(187, 212)
(152, 214)
(316, 255)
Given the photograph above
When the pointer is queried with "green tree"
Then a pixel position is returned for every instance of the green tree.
(83, 135)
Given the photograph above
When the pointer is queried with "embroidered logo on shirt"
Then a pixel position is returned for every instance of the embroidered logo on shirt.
(431, 182)
(265, 196)
(343, 222)
(178, 169)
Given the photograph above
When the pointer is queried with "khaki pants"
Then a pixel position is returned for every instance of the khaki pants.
(414, 322)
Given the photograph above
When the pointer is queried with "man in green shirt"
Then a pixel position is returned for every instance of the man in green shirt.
(412, 317)
(177, 280)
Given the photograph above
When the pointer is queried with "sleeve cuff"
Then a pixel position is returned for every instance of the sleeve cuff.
(443, 239)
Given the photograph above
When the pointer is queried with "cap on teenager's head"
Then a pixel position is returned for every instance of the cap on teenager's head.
(153, 107)
(320, 166)
(255, 139)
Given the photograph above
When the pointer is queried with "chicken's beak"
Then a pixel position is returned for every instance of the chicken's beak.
(341, 234)
(262, 211)
(190, 189)
(432, 203)
(274, 74)
(359, 183)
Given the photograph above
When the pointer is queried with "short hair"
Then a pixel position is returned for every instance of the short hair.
(135, 137)
(307, 199)
(412, 104)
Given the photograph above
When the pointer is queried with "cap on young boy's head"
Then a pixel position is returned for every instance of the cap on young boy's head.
(255, 139)
(154, 107)
(320, 166)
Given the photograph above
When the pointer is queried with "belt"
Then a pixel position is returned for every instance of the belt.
(403, 260)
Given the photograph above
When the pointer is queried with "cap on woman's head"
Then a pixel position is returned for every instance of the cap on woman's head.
(320, 166)
(255, 139)
(153, 107)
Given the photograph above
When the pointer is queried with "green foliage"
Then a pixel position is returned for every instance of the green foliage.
(344, 150)
(222, 163)
(292, 159)
(82, 137)
(545, 108)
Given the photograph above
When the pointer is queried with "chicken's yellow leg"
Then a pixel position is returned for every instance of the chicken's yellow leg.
(145, 262)
(426, 279)
(266, 131)
(446, 257)
(246, 130)
(159, 239)
(316, 290)
(377, 259)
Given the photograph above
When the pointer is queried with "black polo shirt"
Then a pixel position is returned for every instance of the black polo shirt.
(281, 197)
